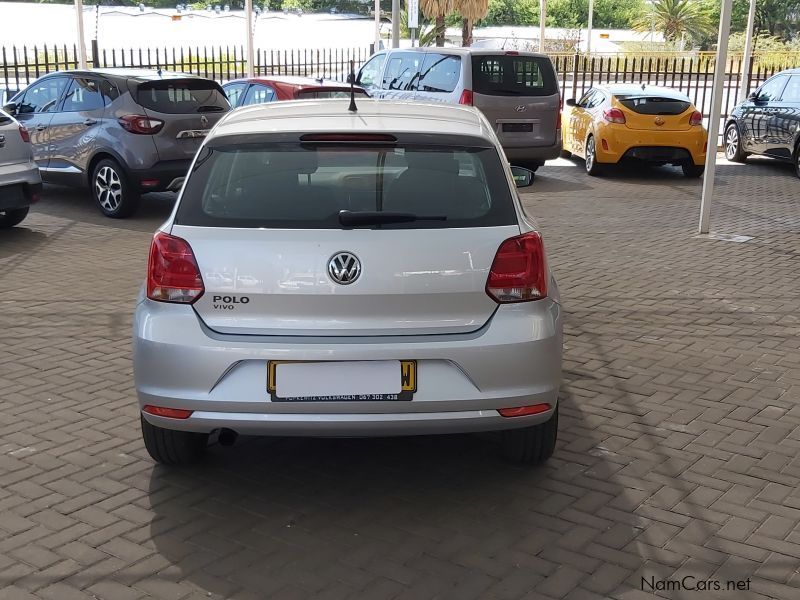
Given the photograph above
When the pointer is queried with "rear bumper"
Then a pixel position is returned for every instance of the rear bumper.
(160, 177)
(615, 142)
(20, 185)
(535, 153)
(514, 360)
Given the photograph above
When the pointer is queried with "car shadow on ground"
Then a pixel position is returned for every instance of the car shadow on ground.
(20, 240)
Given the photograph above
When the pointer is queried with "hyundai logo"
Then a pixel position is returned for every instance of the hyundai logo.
(344, 268)
(520, 108)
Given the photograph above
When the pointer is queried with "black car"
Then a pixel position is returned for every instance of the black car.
(768, 122)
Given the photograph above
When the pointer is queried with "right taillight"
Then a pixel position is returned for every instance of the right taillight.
(696, 118)
(172, 271)
(140, 124)
(466, 98)
(519, 270)
(23, 133)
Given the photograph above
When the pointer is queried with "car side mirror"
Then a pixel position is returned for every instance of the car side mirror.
(11, 108)
(753, 97)
(522, 177)
(570, 102)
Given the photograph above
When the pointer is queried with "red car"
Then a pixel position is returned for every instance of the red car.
(259, 90)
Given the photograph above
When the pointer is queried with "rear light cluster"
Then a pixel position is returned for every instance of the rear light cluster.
(696, 118)
(519, 270)
(141, 124)
(23, 133)
(172, 413)
(524, 411)
(172, 271)
(614, 115)
(466, 98)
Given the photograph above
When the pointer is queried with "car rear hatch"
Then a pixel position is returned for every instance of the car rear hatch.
(519, 95)
(655, 112)
(188, 107)
(277, 257)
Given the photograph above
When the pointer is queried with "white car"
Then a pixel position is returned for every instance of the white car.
(20, 182)
(337, 273)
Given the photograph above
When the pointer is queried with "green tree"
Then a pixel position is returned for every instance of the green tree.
(512, 12)
(608, 14)
(675, 19)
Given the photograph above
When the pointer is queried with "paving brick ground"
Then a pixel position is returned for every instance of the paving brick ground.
(678, 453)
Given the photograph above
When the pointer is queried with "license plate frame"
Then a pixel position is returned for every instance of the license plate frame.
(408, 381)
(517, 127)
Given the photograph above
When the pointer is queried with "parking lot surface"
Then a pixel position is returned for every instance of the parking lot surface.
(678, 457)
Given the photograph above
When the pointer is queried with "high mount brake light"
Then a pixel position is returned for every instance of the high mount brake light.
(349, 137)
(519, 270)
(172, 271)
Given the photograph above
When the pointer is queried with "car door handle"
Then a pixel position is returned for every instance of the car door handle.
(41, 127)
(89, 122)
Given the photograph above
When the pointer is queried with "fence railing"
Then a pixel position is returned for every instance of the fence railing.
(690, 72)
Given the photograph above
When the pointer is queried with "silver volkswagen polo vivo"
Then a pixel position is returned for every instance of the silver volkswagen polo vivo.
(337, 273)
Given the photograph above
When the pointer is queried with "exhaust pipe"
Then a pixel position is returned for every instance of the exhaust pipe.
(227, 437)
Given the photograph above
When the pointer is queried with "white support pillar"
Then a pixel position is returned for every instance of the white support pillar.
(251, 54)
(747, 59)
(716, 111)
(589, 34)
(542, 19)
(395, 23)
(377, 25)
(81, 38)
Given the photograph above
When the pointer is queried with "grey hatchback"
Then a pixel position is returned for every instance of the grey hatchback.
(121, 132)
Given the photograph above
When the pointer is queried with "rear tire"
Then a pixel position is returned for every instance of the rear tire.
(170, 447)
(733, 144)
(593, 168)
(531, 445)
(797, 160)
(9, 218)
(112, 190)
(692, 170)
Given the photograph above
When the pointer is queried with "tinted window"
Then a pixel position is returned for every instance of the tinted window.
(440, 73)
(509, 75)
(772, 89)
(182, 96)
(234, 92)
(258, 94)
(653, 105)
(83, 94)
(42, 96)
(371, 72)
(792, 91)
(402, 71)
(305, 186)
(343, 93)
(591, 99)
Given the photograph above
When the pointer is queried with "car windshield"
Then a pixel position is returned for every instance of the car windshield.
(307, 186)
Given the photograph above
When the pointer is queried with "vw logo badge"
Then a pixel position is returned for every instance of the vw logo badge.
(344, 268)
(520, 108)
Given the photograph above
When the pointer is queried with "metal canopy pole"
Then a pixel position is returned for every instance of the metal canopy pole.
(377, 25)
(589, 35)
(81, 42)
(716, 111)
(395, 23)
(747, 59)
(542, 19)
(251, 59)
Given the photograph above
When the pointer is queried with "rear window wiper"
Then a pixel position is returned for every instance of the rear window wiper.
(210, 108)
(374, 217)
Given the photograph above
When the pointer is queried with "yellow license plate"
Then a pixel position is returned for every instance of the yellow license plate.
(408, 386)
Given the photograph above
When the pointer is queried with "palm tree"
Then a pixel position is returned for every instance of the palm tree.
(676, 19)
(471, 11)
(437, 10)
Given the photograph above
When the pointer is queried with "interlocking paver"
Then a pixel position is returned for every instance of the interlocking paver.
(678, 443)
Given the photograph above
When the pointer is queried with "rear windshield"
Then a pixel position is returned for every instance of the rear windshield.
(510, 75)
(182, 96)
(318, 94)
(302, 186)
(653, 105)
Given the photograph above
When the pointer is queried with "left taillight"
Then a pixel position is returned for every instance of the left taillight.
(172, 271)
(140, 124)
(614, 115)
(519, 270)
(696, 118)
(23, 133)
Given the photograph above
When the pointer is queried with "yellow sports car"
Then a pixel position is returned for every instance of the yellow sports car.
(648, 123)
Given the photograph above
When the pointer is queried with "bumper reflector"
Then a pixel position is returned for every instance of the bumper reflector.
(172, 413)
(149, 182)
(524, 411)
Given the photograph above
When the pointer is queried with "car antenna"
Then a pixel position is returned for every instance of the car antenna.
(352, 107)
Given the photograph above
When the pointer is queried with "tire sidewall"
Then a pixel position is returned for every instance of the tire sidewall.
(737, 155)
(130, 197)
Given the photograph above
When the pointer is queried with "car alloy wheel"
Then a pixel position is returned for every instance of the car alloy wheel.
(108, 188)
(590, 154)
(731, 142)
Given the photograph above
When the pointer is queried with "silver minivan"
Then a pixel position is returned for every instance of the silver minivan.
(516, 91)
